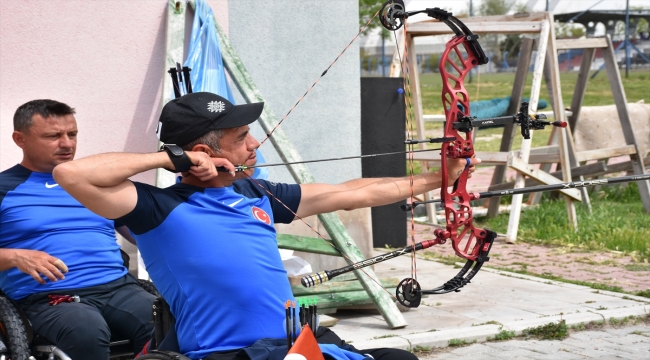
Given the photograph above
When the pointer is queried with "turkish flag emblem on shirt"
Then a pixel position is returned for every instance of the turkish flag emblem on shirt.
(261, 215)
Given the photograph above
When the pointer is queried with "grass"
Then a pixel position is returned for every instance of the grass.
(503, 335)
(418, 349)
(499, 85)
(491, 322)
(459, 342)
(550, 331)
(644, 293)
(618, 222)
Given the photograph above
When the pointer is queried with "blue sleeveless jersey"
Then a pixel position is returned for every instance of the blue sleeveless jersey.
(37, 214)
(213, 255)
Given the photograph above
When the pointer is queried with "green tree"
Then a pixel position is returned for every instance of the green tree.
(367, 9)
(511, 43)
(641, 27)
(495, 7)
(565, 30)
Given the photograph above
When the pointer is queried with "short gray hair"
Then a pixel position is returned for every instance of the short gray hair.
(210, 139)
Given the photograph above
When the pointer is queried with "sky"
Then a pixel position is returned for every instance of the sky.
(557, 6)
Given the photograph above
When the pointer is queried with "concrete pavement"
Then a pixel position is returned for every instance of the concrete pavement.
(631, 342)
(496, 301)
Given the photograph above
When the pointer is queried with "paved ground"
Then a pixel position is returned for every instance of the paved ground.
(630, 342)
(497, 301)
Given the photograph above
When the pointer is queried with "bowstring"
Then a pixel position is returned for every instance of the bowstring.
(318, 233)
(408, 104)
(270, 133)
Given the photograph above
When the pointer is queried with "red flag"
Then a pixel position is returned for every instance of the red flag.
(305, 347)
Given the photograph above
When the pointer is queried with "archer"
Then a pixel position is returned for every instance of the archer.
(209, 241)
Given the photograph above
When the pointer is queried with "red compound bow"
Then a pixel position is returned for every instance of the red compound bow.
(462, 53)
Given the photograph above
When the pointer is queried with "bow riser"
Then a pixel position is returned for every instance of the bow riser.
(466, 240)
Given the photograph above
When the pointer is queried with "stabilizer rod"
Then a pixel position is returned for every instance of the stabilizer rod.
(540, 188)
(326, 275)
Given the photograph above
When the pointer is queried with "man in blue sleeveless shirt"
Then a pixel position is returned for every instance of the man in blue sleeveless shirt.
(209, 242)
(51, 244)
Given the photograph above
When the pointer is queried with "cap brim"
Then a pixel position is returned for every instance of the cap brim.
(240, 115)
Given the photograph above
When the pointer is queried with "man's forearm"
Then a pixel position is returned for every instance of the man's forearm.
(109, 169)
(100, 182)
(364, 192)
(6, 259)
(390, 190)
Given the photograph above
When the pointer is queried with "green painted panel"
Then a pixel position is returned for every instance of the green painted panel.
(306, 244)
(341, 299)
(339, 286)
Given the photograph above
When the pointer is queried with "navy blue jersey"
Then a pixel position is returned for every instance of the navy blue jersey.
(212, 254)
(37, 214)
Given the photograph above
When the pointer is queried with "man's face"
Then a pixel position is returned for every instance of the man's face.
(238, 146)
(48, 142)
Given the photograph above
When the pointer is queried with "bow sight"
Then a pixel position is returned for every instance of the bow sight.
(522, 118)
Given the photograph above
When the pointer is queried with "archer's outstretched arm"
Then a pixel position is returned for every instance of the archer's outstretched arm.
(367, 192)
(100, 182)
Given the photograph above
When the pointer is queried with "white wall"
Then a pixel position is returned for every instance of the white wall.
(103, 58)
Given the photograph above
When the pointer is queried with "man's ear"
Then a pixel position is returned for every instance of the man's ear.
(203, 148)
(19, 139)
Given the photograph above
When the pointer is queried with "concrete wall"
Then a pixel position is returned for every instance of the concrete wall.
(285, 46)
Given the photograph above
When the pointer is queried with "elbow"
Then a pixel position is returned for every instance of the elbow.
(64, 174)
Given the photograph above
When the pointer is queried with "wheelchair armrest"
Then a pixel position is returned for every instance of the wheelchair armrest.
(164, 327)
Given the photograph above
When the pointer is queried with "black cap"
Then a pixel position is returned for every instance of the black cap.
(193, 115)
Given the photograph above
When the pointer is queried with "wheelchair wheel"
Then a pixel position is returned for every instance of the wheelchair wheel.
(149, 287)
(12, 330)
(163, 355)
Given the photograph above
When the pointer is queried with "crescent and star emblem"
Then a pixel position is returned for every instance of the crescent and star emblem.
(261, 215)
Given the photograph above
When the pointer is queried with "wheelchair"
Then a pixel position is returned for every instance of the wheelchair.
(18, 342)
(164, 343)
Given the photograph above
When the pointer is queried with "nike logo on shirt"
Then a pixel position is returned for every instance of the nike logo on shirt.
(49, 186)
(236, 202)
